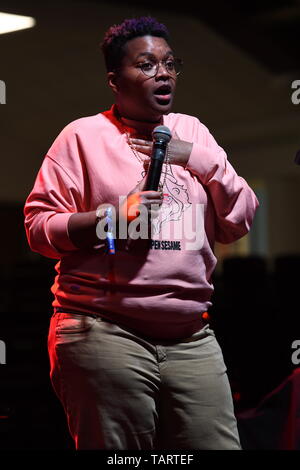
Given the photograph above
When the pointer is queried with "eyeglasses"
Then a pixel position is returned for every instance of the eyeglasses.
(172, 66)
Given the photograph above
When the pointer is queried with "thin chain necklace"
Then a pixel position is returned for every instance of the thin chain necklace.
(146, 162)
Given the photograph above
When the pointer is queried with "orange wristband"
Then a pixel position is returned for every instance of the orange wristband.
(132, 200)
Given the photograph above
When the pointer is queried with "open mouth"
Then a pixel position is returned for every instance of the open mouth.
(163, 94)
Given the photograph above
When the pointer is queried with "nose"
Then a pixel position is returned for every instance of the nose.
(162, 70)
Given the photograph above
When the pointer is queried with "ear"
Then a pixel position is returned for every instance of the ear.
(112, 81)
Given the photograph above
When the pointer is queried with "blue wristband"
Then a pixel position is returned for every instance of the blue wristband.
(110, 235)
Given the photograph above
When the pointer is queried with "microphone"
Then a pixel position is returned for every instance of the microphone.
(161, 137)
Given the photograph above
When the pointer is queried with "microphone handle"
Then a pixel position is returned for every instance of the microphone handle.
(154, 172)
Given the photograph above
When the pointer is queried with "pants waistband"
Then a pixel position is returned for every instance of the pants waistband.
(204, 316)
(77, 312)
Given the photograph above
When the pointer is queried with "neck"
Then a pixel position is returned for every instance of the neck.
(123, 114)
(136, 126)
(146, 121)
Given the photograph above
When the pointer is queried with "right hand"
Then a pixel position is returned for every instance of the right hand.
(137, 197)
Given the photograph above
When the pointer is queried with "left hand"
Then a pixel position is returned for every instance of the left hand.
(179, 150)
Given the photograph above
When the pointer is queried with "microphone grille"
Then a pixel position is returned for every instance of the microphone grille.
(162, 133)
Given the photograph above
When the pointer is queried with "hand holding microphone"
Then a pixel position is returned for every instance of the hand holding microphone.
(146, 191)
(161, 137)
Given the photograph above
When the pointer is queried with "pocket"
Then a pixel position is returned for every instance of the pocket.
(72, 323)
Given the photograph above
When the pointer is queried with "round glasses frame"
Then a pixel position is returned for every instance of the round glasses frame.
(150, 69)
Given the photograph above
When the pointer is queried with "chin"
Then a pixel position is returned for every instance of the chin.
(163, 107)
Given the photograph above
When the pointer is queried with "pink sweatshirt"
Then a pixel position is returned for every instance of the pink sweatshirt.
(162, 291)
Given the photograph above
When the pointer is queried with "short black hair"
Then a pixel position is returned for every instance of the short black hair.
(117, 35)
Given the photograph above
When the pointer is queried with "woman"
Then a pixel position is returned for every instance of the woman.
(133, 359)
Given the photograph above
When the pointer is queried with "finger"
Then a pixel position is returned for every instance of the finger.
(147, 203)
(152, 203)
(140, 142)
(151, 194)
(141, 145)
(142, 149)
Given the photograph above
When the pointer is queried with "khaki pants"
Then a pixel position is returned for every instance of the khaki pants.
(121, 391)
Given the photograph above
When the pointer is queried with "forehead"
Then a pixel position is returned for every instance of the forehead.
(146, 45)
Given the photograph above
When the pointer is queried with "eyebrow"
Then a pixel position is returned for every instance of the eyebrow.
(149, 54)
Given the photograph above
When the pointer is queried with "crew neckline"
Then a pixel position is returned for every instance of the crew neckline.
(132, 127)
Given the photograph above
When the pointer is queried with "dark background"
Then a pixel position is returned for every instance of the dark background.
(240, 61)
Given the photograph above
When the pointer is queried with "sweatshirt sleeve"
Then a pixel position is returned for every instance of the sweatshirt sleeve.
(54, 198)
(234, 201)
